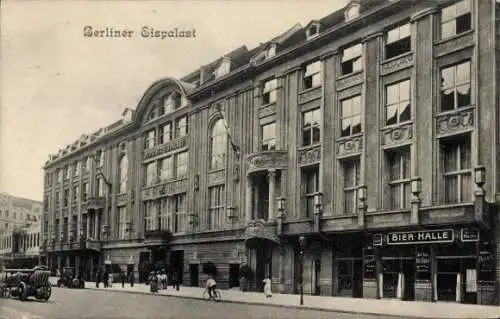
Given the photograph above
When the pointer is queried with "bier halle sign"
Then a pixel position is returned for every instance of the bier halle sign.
(421, 237)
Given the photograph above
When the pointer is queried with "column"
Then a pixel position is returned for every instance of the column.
(96, 225)
(248, 199)
(88, 226)
(272, 190)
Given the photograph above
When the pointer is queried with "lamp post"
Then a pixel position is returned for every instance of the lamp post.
(302, 243)
(281, 208)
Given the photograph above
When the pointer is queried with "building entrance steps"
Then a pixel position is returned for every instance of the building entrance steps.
(385, 307)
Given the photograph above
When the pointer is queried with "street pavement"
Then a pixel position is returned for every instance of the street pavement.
(86, 304)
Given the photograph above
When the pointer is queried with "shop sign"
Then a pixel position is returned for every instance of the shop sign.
(468, 234)
(420, 237)
(377, 240)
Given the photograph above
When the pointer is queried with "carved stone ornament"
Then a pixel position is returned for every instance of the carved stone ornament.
(217, 177)
(266, 160)
(397, 64)
(256, 230)
(397, 135)
(458, 121)
(349, 146)
(165, 189)
(309, 156)
(267, 110)
(454, 44)
(310, 95)
(349, 81)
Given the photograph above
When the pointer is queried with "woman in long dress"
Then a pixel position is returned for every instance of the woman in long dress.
(267, 288)
(153, 281)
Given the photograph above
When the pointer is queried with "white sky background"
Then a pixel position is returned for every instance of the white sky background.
(57, 84)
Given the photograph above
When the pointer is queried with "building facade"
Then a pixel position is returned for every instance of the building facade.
(19, 231)
(356, 156)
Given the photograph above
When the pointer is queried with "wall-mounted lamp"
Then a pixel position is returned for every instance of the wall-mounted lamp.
(362, 192)
(480, 176)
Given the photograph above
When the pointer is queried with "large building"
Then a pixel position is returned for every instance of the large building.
(364, 146)
(19, 231)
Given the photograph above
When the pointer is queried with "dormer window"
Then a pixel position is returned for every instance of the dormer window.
(224, 67)
(271, 51)
(398, 41)
(269, 91)
(172, 102)
(352, 10)
(352, 59)
(313, 30)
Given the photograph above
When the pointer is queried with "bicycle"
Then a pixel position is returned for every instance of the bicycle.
(216, 296)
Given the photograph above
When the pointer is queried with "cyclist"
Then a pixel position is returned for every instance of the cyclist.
(211, 284)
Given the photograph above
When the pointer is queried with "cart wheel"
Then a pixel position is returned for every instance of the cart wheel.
(23, 291)
(48, 292)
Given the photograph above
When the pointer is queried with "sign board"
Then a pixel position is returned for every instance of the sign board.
(469, 234)
(377, 240)
(471, 280)
(421, 237)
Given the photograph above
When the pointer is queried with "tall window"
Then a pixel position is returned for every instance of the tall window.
(149, 212)
(150, 139)
(74, 227)
(399, 178)
(216, 206)
(100, 158)
(66, 197)
(398, 41)
(76, 194)
(85, 165)
(76, 168)
(218, 145)
(455, 19)
(151, 173)
(165, 133)
(100, 187)
(169, 104)
(455, 86)
(165, 215)
(269, 91)
(268, 133)
(350, 116)
(60, 175)
(181, 127)
(123, 169)
(122, 222)
(397, 103)
(456, 158)
(311, 127)
(312, 75)
(310, 181)
(67, 172)
(65, 229)
(351, 183)
(352, 59)
(58, 201)
(86, 191)
(167, 168)
(179, 207)
(181, 162)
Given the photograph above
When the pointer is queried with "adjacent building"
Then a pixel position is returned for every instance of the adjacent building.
(19, 231)
(358, 156)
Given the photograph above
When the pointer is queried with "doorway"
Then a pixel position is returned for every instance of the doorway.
(316, 281)
(234, 275)
(447, 279)
(350, 277)
(393, 267)
(176, 265)
(193, 274)
(263, 267)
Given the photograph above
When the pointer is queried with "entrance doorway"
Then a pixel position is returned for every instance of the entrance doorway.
(193, 274)
(316, 281)
(177, 264)
(396, 270)
(234, 275)
(449, 283)
(350, 277)
(263, 267)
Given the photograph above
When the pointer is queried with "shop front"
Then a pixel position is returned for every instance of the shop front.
(447, 264)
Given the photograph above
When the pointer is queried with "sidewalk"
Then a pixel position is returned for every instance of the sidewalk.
(383, 307)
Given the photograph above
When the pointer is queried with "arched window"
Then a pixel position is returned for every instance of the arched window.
(123, 167)
(218, 144)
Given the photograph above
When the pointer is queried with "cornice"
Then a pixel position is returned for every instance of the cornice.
(423, 13)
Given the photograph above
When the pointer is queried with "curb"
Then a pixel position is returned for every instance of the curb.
(271, 305)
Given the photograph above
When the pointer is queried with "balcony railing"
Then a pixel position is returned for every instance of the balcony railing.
(96, 202)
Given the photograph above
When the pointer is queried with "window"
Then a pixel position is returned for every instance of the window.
(310, 182)
(58, 201)
(165, 215)
(151, 173)
(181, 161)
(85, 165)
(165, 133)
(456, 157)
(269, 92)
(74, 224)
(60, 175)
(223, 68)
(216, 207)
(311, 127)
(312, 75)
(48, 180)
(123, 171)
(65, 229)
(268, 133)
(350, 116)
(455, 86)
(66, 197)
(67, 172)
(455, 19)
(271, 51)
(181, 127)
(399, 178)
(149, 212)
(76, 168)
(167, 168)
(398, 41)
(86, 191)
(76, 194)
(168, 104)
(179, 206)
(100, 187)
(122, 222)
(352, 59)
(100, 158)
(313, 31)
(397, 103)
(218, 145)
(150, 139)
(351, 182)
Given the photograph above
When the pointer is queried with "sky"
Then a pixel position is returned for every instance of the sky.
(56, 84)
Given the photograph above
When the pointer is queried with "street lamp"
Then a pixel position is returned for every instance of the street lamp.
(302, 243)
(281, 209)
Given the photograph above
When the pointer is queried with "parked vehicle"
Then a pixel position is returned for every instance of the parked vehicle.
(68, 279)
(24, 283)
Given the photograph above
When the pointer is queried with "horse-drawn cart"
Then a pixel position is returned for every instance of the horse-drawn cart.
(24, 283)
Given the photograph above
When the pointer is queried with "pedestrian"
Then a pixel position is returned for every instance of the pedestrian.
(153, 282)
(110, 280)
(175, 281)
(106, 279)
(267, 287)
(98, 276)
(131, 279)
(123, 279)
